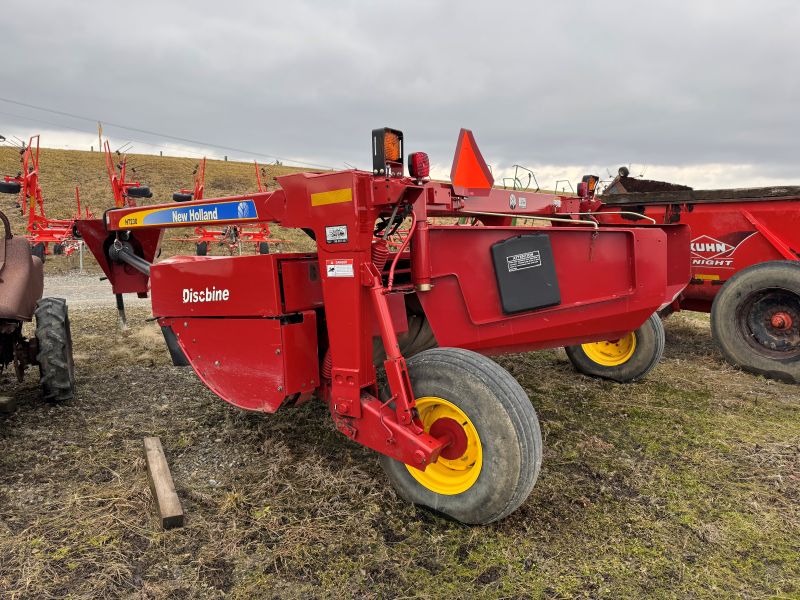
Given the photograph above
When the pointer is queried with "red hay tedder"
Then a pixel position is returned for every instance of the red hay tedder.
(232, 236)
(42, 231)
(745, 266)
(395, 342)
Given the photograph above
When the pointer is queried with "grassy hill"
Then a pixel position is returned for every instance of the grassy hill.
(61, 170)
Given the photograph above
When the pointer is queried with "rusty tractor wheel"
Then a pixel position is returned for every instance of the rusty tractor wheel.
(495, 451)
(755, 320)
(56, 367)
(201, 249)
(623, 360)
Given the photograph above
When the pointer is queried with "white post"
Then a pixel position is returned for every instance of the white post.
(80, 254)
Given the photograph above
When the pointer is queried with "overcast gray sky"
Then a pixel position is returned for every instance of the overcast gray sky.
(700, 92)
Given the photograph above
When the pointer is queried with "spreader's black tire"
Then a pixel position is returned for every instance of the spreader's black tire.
(56, 367)
(141, 191)
(500, 412)
(648, 349)
(38, 250)
(181, 197)
(201, 249)
(263, 247)
(742, 314)
(10, 187)
(58, 249)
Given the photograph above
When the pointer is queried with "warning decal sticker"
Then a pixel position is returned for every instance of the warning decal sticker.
(340, 267)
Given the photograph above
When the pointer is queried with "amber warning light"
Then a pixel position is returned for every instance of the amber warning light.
(387, 152)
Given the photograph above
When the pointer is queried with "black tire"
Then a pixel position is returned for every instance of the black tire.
(76, 233)
(38, 250)
(141, 191)
(201, 249)
(56, 367)
(58, 249)
(506, 424)
(742, 320)
(649, 348)
(181, 197)
(10, 187)
(263, 247)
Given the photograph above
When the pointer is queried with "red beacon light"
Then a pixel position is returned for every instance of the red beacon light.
(419, 165)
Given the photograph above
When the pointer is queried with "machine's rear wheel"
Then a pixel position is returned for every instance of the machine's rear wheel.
(202, 248)
(624, 360)
(495, 454)
(263, 247)
(56, 368)
(755, 320)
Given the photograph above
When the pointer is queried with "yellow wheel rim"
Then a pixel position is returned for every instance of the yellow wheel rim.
(449, 476)
(613, 352)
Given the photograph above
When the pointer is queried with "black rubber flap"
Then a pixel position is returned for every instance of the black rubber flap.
(526, 273)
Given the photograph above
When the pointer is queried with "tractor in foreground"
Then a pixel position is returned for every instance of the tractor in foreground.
(397, 342)
(21, 287)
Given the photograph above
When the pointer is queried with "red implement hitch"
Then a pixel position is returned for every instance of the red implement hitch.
(357, 324)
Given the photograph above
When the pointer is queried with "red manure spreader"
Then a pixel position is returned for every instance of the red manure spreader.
(745, 252)
(396, 342)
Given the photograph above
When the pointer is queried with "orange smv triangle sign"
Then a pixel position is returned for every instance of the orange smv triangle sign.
(470, 176)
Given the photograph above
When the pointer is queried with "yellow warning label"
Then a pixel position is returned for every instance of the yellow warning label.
(332, 197)
(707, 277)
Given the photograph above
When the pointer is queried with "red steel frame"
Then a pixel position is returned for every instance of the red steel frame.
(117, 175)
(315, 315)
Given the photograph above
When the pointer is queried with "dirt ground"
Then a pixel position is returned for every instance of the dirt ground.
(684, 485)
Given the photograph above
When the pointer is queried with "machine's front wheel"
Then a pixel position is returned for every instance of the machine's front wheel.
(201, 249)
(623, 360)
(755, 320)
(493, 459)
(56, 367)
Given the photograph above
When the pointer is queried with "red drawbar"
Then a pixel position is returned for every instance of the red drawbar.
(470, 175)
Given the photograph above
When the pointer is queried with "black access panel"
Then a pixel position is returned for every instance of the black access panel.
(526, 273)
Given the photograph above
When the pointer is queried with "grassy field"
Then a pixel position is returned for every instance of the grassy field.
(686, 485)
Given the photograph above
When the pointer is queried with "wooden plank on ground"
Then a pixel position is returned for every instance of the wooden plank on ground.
(7, 404)
(167, 503)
